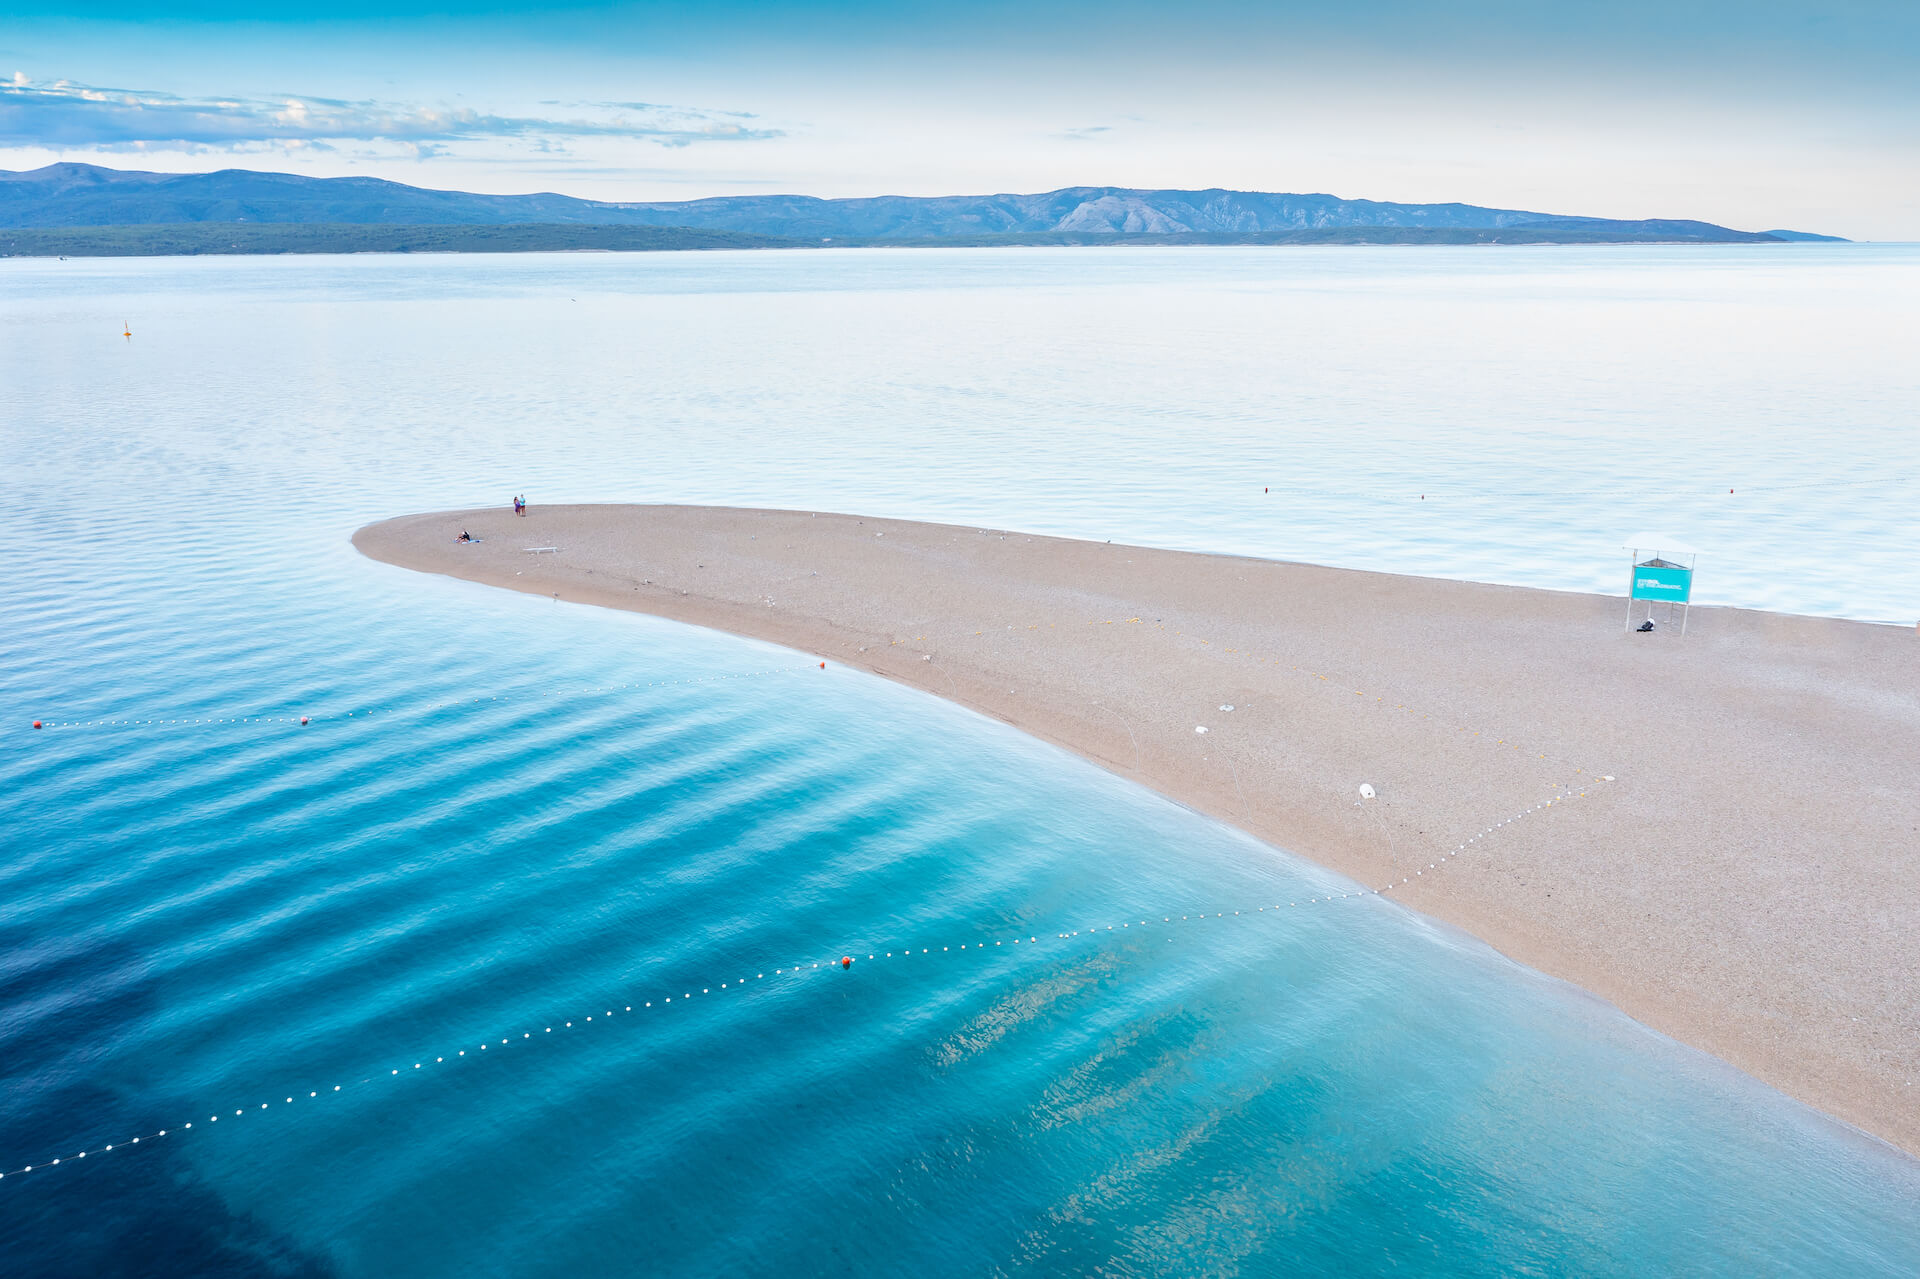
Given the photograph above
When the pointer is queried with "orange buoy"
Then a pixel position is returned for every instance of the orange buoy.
(846, 961)
(36, 723)
(823, 666)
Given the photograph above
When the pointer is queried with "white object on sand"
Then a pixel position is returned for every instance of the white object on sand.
(1199, 728)
(1366, 791)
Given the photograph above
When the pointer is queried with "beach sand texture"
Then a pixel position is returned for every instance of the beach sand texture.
(1746, 882)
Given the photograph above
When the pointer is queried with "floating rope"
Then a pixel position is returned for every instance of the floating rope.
(804, 968)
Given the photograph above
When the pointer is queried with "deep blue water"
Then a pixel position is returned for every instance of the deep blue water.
(508, 814)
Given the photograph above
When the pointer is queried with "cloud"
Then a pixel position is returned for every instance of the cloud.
(64, 114)
(1085, 134)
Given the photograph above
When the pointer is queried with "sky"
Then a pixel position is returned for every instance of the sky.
(1755, 115)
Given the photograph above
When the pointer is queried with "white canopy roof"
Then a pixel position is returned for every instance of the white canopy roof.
(1660, 543)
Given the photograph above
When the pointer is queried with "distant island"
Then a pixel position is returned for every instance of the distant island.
(86, 210)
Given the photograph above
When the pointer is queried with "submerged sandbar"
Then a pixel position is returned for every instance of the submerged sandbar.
(1745, 882)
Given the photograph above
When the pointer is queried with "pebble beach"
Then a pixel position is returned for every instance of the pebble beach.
(1715, 832)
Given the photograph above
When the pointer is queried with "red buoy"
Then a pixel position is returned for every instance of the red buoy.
(846, 961)
(36, 723)
(303, 719)
(823, 666)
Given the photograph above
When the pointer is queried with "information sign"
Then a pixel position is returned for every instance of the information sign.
(1662, 582)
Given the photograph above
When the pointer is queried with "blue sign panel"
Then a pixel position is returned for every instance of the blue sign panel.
(1662, 582)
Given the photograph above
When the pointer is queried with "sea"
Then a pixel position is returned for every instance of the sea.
(450, 931)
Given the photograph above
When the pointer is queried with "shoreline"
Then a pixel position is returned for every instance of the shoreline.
(1744, 884)
(298, 239)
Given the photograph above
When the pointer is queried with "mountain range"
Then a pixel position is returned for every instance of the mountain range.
(73, 196)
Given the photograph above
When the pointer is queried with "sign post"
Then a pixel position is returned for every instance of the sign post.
(1656, 578)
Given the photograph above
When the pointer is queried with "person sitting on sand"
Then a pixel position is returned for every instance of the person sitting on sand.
(464, 536)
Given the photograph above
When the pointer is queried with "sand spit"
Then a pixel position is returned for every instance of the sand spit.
(1746, 882)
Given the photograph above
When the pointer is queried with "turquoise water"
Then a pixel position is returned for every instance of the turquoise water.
(510, 814)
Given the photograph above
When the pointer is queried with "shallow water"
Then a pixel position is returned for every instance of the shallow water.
(1496, 415)
(198, 918)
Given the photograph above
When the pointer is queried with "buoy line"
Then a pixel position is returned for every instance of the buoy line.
(365, 713)
(805, 968)
(1471, 840)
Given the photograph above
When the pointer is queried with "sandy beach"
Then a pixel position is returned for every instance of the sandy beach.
(1744, 882)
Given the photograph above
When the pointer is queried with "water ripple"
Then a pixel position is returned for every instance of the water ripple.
(508, 811)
